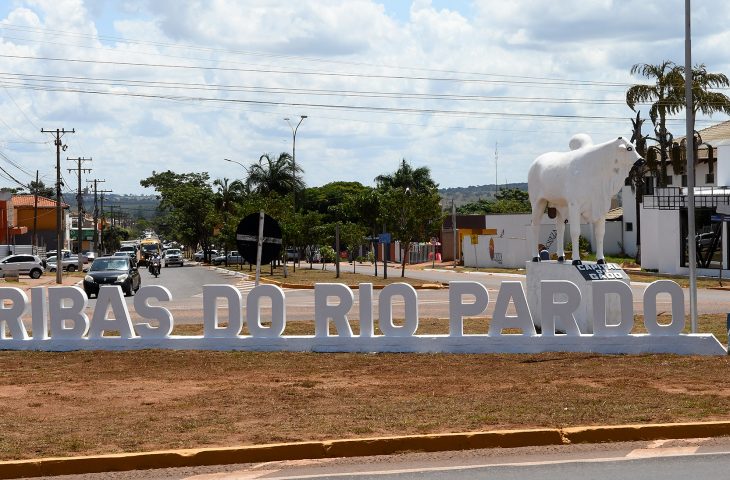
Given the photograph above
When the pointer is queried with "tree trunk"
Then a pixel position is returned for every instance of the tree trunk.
(404, 255)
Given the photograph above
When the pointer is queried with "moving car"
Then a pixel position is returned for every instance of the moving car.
(172, 256)
(30, 265)
(118, 270)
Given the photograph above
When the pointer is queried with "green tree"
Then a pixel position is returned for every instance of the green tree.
(664, 97)
(227, 197)
(409, 205)
(352, 235)
(274, 175)
(188, 203)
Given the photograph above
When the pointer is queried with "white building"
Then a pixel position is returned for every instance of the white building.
(662, 225)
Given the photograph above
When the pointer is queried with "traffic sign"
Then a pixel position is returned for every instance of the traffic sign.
(717, 217)
(474, 238)
(385, 238)
(247, 235)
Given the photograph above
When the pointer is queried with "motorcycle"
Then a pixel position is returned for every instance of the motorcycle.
(154, 268)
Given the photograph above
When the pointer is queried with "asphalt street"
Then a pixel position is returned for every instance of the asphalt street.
(655, 460)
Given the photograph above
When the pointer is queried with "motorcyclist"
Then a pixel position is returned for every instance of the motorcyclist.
(155, 265)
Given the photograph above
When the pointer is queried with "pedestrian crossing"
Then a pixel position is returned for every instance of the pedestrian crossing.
(244, 282)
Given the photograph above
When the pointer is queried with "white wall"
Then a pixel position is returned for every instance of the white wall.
(510, 243)
(628, 199)
(722, 177)
(660, 242)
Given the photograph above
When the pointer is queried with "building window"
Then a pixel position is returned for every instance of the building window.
(710, 178)
(629, 227)
(648, 185)
(684, 180)
(669, 180)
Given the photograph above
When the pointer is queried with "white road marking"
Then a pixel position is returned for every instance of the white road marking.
(476, 467)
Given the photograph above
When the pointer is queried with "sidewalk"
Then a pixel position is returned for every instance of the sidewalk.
(46, 280)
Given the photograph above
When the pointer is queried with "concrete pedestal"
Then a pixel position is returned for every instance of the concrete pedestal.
(582, 276)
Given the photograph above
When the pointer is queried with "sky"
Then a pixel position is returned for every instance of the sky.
(473, 90)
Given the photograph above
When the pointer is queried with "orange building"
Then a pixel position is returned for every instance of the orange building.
(25, 210)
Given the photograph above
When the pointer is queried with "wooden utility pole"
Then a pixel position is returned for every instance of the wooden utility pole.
(80, 206)
(35, 214)
(58, 134)
(96, 182)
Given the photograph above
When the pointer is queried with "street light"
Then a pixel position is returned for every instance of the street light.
(294, 154)
(234, 161)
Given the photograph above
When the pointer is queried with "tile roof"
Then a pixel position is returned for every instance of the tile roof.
(29, 201)
(713, 134)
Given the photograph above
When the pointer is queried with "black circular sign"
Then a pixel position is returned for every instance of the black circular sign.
(247, 235)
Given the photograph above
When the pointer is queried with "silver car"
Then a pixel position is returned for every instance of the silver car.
(24, 264)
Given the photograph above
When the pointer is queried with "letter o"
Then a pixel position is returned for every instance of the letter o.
(385, 310)
(650, 317)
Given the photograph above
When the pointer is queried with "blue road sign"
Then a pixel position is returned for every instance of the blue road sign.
(384, 237)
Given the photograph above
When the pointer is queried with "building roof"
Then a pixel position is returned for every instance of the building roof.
(29, 201)
(712, 134)
(615, 214)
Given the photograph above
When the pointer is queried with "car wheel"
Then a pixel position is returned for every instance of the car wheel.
(36, 273)
(71, 268)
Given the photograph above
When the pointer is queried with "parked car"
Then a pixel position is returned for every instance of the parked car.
(234, 258)
(30, 265)
(118, 270)
(90, 256)
(199, 256)
(69, 264)
(172, 256)
(292, 254)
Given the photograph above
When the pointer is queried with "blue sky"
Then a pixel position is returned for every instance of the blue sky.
(166, 84)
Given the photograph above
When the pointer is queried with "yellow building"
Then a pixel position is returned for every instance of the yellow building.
(26, 211)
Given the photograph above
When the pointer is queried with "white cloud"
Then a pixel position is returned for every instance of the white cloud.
(508, 50)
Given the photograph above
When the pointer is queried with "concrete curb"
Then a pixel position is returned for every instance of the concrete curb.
(356, 448)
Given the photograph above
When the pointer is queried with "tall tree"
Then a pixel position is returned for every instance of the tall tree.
(664, 97)
(274, 175)
(227, 196)
(188, 201)
(416, 180)
(409, 205)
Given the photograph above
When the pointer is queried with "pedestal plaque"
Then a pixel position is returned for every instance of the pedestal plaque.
(581, 275)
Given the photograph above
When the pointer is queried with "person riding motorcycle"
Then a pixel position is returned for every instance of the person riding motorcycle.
(155, 266)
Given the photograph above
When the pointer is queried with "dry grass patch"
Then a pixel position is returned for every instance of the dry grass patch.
(80, 403)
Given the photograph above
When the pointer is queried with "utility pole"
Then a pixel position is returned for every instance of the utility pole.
(103, 222)
(79, 205)
(496, 163)
(58, 134)
(35, 214)
(95, 240)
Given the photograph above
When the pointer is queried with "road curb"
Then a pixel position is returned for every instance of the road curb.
(356, 448)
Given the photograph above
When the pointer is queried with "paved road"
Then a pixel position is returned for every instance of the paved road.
(185, 284)
(663, 459)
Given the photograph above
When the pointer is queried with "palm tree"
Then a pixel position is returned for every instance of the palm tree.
(274, 175)
(225, 201)
(406, 177)
(663, 94)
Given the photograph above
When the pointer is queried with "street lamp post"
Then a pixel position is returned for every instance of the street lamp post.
(294, 153)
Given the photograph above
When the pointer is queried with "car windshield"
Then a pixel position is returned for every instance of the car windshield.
(173, 252)
(149, 248)
(102, 264)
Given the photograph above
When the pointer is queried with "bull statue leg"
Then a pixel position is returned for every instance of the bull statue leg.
(537, 210)
(599, 230)
(574, 223)
(560, 238)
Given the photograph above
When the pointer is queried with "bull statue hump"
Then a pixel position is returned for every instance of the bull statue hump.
(580, 184)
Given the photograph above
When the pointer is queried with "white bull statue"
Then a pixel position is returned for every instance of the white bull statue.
(579, 184)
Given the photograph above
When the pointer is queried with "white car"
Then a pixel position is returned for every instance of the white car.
(172, 256)
(30, 265)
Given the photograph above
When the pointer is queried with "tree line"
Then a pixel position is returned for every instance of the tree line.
(194, 210)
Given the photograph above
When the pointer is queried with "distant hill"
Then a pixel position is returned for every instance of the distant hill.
(136, 206)
(462, 195)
